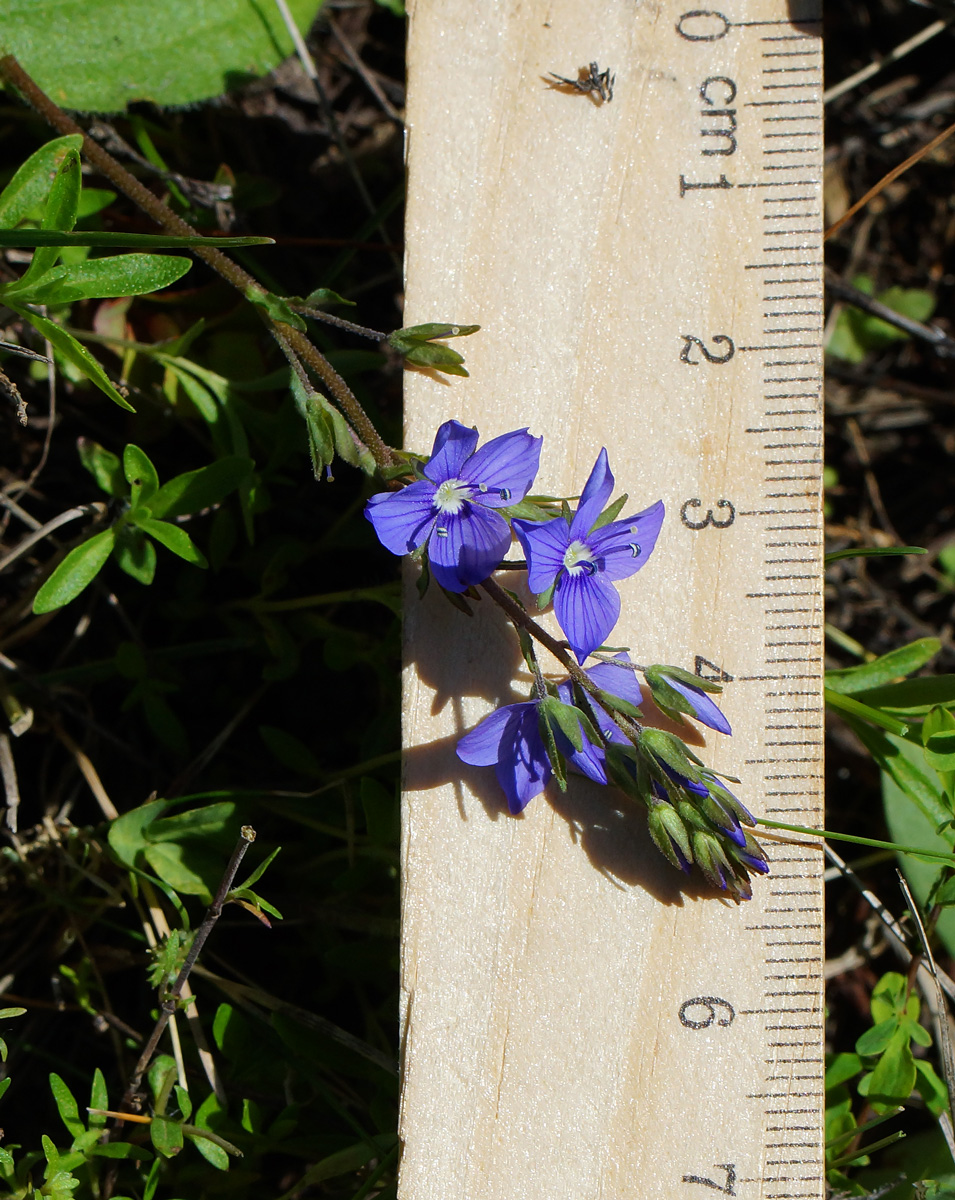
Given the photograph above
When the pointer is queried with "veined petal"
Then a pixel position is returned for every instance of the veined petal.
(453, 444)
(614, 543)
(594, 497)
(544, 544)
(482, 746)
(403, 520)
(703, 707)
(587, 608)
(507, 463)
(474, 542)
(618, 681)
(523, 769)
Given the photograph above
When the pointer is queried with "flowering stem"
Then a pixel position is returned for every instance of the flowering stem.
(523, 620)
(936, 855)
(104, 162)
(330, 319)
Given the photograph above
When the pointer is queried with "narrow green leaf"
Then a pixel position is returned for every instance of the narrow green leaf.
(66, 1106)
(73, 352)
(183, 1101)
(75, 572)
(872, 552)
(174, 539)
(123, 1150)
(31, 183)
(275, 307)
(26, 239)
(322, 297)
(846, 704)
(59, 215)
(912, 696)
(140, 474)
(883, 670)
(195, 490)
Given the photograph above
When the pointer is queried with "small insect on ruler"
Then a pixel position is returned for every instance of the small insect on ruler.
(580, 1020)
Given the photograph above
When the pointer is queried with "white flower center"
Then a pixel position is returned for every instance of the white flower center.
(451, 496)
(579, 557)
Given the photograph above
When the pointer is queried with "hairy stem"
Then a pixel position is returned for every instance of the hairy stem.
(240, 279)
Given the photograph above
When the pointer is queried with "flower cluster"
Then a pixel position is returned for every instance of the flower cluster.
(457, 513)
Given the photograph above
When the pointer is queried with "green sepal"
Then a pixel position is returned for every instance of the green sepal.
(618, 704)
(404, 339)
(528, 653)
(571, 722)
(610, 513)
(665, 827)
(661, 670)
(546, 596)
(667, 748)
(436, 357)
(550, 745)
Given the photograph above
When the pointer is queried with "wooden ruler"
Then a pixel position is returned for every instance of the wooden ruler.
(580, 1020)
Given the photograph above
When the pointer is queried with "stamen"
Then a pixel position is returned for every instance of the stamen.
(440, 531)
(635, 549)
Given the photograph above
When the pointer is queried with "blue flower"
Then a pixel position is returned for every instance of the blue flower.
(582, 563)
(510, 739)
(691, 698)
(451, 509)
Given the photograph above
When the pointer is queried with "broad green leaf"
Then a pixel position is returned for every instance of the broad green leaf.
(33, 179)
(938, 738)
(75, 572)
(195, 490)
(905, 763)
(291, 752)
(127, 834)
(210, 1151)
(166, 1136)
(843, 1067)
(183, 1101)
(932, 1089)
(908, 825)
(105, 466)
(73, 352)
(198, 823)
(66, 1106)
(912, 696)
(168, 861)
(893, 1080)
(100, 278)
(136, 555)
(875, 1040)
(140, 474)
(174, 539)
(101, 57)
(881, 671)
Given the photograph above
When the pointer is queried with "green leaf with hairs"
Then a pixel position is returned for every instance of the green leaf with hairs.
(76, 572)
(32, 181)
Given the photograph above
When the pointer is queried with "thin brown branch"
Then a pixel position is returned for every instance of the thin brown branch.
(886, 180)
(240, 279)
(169, 1003)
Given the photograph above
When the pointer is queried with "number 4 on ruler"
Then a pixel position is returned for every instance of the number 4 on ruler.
(729, 1168)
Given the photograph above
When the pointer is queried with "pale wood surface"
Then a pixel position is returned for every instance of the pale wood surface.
(545, 958)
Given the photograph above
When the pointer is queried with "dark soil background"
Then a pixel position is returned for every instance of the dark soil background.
(322, 173)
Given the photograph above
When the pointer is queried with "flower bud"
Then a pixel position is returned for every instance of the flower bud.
(669, 835)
